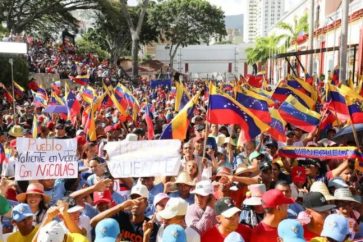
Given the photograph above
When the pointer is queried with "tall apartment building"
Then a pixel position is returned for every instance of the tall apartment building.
(261, 16)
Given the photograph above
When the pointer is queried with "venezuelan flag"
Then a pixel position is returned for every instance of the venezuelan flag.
(35, 127)
(38, 99)
(282, 91)
(293, 112)
(88, 94)
(277, 126)
(18, 90)
(257, 106)
(181, 97)
(355, 107)
(148, 117)
(81, 79)
(337, 102)
(327, 121)
(2, 154)
(223, 109)
(73, 106)
(55, 99)
(111, 94)
(178, 127)
(303, 87)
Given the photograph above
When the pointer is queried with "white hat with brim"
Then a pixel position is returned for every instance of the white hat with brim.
(230, 212)
(176, 206)
(252, 201)
(16, 131)
(321, 187)
(203, 188)
(344, 194)
(184, 178)
(74, 209)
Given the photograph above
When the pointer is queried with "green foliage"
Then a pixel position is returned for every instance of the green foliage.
(293, 30)
(187, 22)
(262, 50)
(41, 15)
(111, 31)
(21, 71)
(224, 42)
(84, 47)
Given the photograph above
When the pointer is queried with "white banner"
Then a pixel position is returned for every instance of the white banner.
(46, 159)
(144, 158)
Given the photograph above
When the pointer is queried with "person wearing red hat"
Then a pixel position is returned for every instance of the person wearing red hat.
(275, 204)
(294, 208)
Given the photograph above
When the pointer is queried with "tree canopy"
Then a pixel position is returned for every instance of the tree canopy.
(263, 49)
(186, 22)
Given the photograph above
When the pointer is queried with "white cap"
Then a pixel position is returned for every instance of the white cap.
(176, 206)
(74, 209)
(203, 188)
(131, 137)
(159, 197)
(80, 131)
(51, 232)
(141, 190)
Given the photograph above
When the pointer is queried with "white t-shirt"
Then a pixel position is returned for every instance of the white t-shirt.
(192, 235)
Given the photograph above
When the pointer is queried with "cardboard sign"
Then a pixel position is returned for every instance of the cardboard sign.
(144, 158)
(46, 159)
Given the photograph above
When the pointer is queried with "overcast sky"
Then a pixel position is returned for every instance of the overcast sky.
(232, 7)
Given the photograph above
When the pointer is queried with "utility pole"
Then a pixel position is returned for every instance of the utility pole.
(343, 42)
(311, 35)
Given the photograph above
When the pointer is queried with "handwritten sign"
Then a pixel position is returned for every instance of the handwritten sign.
(46, 159)
(144, 158)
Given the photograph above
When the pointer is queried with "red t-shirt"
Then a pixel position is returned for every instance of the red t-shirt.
(264, 233)
(308, 235)
(214, 235)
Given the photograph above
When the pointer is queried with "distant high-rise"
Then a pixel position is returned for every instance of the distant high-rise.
(261, 15)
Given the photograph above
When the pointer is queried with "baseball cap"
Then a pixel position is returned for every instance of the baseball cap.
(337, 182)
(317, 202)
(107, 230)
(203, 188)
(51, 232)
(102, 197)
(273, 198)
(140, 190)
(234, 237)
(72, 205)
(159, 197)
(108, 128)
(225, 207)
(176, 206)
(298, 174)
(335, 227)
(79, 132)
(21, 212)
(291, 230)
(174, 233)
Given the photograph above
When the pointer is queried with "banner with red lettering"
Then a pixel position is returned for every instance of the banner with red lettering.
(46, 159)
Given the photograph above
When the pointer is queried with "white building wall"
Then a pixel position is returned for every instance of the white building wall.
(207, 60)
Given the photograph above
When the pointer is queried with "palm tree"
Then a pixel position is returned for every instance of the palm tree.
(263, 49)
(293, 31)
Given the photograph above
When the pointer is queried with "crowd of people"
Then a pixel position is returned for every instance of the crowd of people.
(226, 190)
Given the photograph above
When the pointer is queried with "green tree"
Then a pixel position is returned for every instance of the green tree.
(187, 22)
(292, 31)
(263, 49)
(84, 47)
(41, 15)
(135, 30)
(111, 31)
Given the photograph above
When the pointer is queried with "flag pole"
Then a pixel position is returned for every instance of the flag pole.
(355, 136)
(11, 62)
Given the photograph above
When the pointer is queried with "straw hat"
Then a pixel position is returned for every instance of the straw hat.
(184, 178)
(240, 170)
(319, 186)
(344, 194)
(33, 188)
(16, 131)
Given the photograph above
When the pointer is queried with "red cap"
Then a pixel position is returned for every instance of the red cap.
(40, 119)
(298, 174)
(273, 198)
(109, 128)
(50, 125)
(10, 194)
(102, 197)
(81, 140)
(13, 143)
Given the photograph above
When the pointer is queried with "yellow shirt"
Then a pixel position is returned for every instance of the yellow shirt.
(17, 237)
(75, 237)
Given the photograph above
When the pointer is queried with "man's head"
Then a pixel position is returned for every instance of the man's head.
(102, 200)
(60, 130)
(138, 191)
(174, 211)
(290, 230)
(160, 201)
(184, 184)
(23, 218)
(336, 227)
(203, 193)
(227, 214)
(284, 187)
(317, 206)
(188, 149)
(276, 203)
(148, 182)
(52, 232)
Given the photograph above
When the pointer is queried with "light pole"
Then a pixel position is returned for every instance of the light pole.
(11, 62)
(343, 42)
